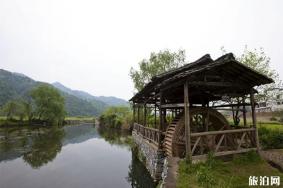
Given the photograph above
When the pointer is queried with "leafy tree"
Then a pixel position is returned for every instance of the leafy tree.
(49, 104)
(156, 64)
(117, 117)
(10, 109)
(13, 109)
(259, 61)
(29, 111)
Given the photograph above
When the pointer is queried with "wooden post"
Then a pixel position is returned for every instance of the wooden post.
(144, 114)
(187, 122)
(138, 114)
(155, 116)
(164, 119)
(160, 120)
(244, 112)
(254, 119)
(160, 113)
(134, 112)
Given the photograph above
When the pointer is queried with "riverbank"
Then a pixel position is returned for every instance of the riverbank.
(231, 174)
(4, 122)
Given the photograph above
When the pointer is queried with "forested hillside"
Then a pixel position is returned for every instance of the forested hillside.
(110, 101)
(15, 86)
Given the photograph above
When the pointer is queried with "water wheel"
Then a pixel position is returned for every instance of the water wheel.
(202, 119)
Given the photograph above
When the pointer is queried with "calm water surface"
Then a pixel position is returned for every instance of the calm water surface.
(79, 156)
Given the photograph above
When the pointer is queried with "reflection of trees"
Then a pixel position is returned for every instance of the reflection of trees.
(115, 136)
(12, 143)
(37, 145)
(44, 148)
(138, 176)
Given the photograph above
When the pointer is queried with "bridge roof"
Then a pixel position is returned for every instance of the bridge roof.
(207, 78)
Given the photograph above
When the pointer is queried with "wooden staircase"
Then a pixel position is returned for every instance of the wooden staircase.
(169, 135)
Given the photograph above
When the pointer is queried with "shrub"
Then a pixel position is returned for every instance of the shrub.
(270, 138)
(116, 117)
(273, 118)
(205, 177)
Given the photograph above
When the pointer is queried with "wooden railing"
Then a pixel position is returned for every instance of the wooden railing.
(223, 142)
(150, 134)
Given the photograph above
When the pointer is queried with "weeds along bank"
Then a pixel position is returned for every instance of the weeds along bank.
(117, 118)
(215, 173)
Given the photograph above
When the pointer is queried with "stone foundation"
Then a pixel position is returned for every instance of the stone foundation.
(150, 155)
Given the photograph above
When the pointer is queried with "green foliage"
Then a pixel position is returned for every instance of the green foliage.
(271, 138)
(156, 64)
(9, 109)
(28, 108)
(218, 174)
(273, 118)
(205, 177)
(202, 172)
(258, 60)
(14, 109)
(248, 158)
(117, 117)
(49, 104)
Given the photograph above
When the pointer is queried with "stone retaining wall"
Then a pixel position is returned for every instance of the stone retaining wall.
(151, 155)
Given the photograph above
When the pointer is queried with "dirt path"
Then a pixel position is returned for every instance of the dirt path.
(171, 178)
(274, 156)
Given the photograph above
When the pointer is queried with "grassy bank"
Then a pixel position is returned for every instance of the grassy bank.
(270, 135)
(218, 174)
(118, 117)
(67, 121)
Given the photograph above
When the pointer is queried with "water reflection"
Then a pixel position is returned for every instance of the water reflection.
(37, 145)
(72, 156)
(138, 176)
(44, 147)
(115, 136)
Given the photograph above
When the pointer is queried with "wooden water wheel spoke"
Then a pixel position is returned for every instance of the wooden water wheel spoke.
(202, 119)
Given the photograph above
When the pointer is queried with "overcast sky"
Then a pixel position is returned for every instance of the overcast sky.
(91, 45)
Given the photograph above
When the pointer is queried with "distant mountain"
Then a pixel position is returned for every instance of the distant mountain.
(16, 85)
(110, 101)
(113, 101)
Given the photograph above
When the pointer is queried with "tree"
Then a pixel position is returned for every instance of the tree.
(259, 61)
(10, 109)
(49, 104)
(14, 109)
(119, 117)
(156, 64)
(28, 108)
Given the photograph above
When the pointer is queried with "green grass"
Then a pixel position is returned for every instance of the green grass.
(271, 126)
(218, 174)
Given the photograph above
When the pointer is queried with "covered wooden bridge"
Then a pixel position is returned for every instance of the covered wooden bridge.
(181, 111)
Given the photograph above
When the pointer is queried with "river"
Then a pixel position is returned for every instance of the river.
(77, 156)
